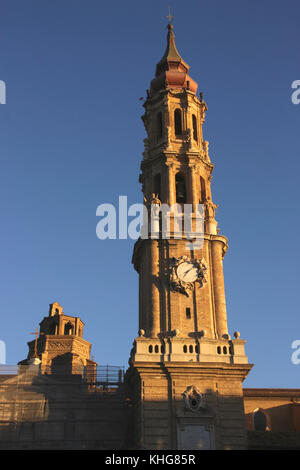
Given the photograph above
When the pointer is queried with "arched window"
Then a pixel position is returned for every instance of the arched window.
(195, 133)
(202, 189)
(177, 121)
(180, 189)
(157, 185)
(259, 421)
(159, 126)
(68, 329)
(52, 329)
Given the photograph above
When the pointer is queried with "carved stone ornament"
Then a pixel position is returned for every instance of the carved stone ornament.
(152, 200)
(184, 273)
(194, 400)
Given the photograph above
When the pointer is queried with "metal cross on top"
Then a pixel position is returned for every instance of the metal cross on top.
(170, 17)
(36, 333)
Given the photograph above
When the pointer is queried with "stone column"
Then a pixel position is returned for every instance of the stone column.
(154, 317)
(171, 196)
(218, 286)
(193, 186)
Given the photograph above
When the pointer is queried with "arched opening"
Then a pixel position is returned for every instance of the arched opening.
(159, 126)
(177, 122)
(52, 329)
(259, 421)
(202, 189)
(68, 330)
(180, 189)
(195, 133)
(157, 185)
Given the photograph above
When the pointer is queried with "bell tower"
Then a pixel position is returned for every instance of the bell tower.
(186, 370)
(59, 346)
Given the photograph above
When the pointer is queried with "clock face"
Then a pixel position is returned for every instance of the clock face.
(187, 272)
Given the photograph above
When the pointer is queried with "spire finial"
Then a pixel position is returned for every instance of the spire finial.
(170, 17)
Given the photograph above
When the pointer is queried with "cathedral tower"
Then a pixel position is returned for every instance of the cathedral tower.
(186, 370)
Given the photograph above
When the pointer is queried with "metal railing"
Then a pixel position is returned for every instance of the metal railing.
(98, 375)
(106, 375)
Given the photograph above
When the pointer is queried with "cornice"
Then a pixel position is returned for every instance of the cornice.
(272, 392)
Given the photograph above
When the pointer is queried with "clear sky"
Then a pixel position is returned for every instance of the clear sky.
(72, 138)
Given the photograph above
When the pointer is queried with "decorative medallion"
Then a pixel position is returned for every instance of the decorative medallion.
(194, 400)
(184, 273)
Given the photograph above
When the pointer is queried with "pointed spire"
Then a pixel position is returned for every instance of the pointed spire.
(172, 71)
(171, 57)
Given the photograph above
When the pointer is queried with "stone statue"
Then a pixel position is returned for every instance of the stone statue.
(210, 208)
(205, 149)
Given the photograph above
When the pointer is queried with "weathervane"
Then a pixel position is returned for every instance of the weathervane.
(170, 17)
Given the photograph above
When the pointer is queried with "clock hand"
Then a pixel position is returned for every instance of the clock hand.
(188, 271)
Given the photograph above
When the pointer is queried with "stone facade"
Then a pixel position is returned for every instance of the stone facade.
(167, 404)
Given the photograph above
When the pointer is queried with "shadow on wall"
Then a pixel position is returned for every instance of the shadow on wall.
(62, 412)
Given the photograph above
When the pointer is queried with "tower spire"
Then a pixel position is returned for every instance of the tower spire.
(172, 71)
(171, 53)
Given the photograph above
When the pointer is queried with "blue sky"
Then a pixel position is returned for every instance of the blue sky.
(71, 138)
